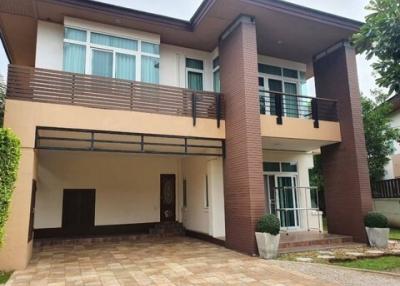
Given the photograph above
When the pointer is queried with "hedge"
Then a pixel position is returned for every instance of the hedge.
(9, 158)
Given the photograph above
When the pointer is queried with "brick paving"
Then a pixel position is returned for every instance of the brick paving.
(171, 261)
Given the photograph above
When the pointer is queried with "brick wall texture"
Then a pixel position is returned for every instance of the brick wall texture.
(243, 175)
(345, 169)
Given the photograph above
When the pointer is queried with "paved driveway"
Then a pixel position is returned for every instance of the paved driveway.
(177, 261)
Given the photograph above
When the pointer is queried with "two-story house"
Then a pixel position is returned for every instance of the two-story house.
(129, 119)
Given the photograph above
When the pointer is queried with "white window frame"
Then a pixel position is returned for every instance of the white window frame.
(187, 70)
(90, 46)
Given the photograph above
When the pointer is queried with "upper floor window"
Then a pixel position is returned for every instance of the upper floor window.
(110, 56)
(216, 75)
(194, 74)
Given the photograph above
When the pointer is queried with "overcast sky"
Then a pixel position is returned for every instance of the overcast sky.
(184, 9)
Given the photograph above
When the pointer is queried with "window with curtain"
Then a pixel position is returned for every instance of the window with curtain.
(125, 66)
(110, 56)
(74, 58)
(216, 75)
(102, 63)
(194, 69)
(150, 69)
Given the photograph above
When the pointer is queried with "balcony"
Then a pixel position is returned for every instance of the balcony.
(299, 123)
(50, 86)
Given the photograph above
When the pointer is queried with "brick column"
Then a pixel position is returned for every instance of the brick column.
(345, 169)
(243, 177)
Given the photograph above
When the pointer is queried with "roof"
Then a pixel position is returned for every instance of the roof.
(280, 25)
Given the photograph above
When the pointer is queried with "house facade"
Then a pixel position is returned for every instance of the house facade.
(129, 120)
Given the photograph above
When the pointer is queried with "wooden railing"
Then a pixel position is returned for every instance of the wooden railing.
(386, 189)
(43, 85)
(298, 106)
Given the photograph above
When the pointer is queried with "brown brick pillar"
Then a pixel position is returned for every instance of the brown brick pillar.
(345, 168)
(243, 177)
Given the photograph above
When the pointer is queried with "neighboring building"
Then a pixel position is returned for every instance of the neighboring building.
(386, 193)
(129, 119)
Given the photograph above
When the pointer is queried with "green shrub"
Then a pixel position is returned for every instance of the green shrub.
(268, 223)
(375, 220)
(9, 159)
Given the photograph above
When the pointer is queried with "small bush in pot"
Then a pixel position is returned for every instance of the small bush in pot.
(376, 226)
(267, 236)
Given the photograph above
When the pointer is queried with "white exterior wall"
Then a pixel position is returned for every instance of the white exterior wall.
(390, 208)
(49, 46)
(304, 163)
(196, 216)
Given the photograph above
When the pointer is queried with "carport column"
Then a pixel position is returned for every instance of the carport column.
(16, 251)
(345, 168)
(243, 177)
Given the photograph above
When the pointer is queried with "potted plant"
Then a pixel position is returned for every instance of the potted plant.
(267, 236)
(376, 225)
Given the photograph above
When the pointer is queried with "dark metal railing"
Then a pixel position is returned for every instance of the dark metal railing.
(297, 106)
(43, 85)
(386, 189)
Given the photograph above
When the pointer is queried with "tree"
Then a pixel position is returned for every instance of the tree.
(2, 100)
(379, 135)
(380, 37)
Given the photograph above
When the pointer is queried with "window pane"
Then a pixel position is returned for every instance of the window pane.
(125, 66)
(195, 80)
(291, 104)
(150, 69)
(75, 34)
(271, 167)
(269, 69)
(194, 64)
(102, 63)
(150, 48)
(74, 58)
(217, 82)
(112, 41)
(274, 85)
(290, 73)
(216, 62)
(288, 167)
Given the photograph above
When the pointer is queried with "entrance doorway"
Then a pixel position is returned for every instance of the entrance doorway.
(167, 198)
(283, 198)
(78, 211)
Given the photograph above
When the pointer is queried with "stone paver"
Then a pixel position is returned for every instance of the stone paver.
(174, 261)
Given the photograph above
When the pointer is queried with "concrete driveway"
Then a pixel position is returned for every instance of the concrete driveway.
(172, 261)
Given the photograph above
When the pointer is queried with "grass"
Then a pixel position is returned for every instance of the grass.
(394, 233)
(384, 263)
(4, 277)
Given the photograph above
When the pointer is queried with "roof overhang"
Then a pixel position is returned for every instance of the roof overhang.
(284, 30)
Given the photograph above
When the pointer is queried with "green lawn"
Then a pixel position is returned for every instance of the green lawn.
(384, 263)
(4, 277)
(394, 233)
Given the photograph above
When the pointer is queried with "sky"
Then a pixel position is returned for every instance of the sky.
(184, 9)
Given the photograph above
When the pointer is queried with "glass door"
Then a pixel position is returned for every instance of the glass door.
(291, 106)
(286, 199)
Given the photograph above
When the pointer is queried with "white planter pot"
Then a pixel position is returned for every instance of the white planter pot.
(378, 237)
(267, 245)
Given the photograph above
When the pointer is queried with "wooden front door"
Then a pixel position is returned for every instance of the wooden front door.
(78, 211)
(167, 196)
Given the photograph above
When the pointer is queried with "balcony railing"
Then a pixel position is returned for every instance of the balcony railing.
(297, 106)
(43, 85)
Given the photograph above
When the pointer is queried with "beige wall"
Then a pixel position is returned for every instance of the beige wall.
(16, 251)
(24, 116)
(296, 128)
(127, 186)
(390, 208)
